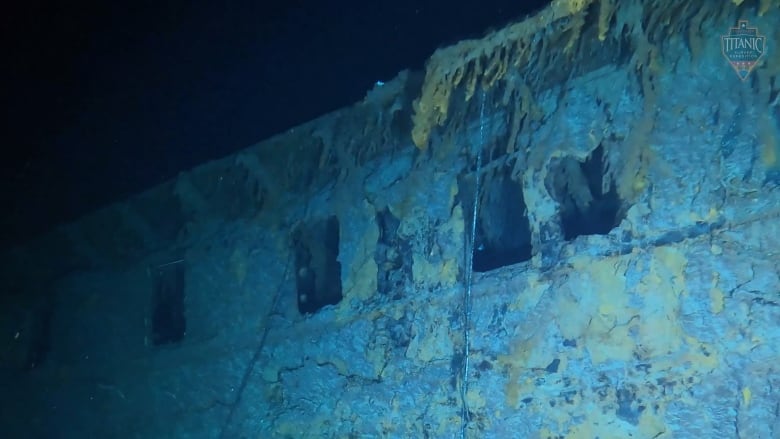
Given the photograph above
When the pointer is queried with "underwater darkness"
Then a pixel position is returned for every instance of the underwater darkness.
(111, 98)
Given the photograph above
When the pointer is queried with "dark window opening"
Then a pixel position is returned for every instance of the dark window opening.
(168, 321)
(589, 202)
(317, 268)
(393, 257)
(503, 234)
(40, 337)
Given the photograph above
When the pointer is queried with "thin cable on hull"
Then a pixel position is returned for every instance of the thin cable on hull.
(470, 241)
